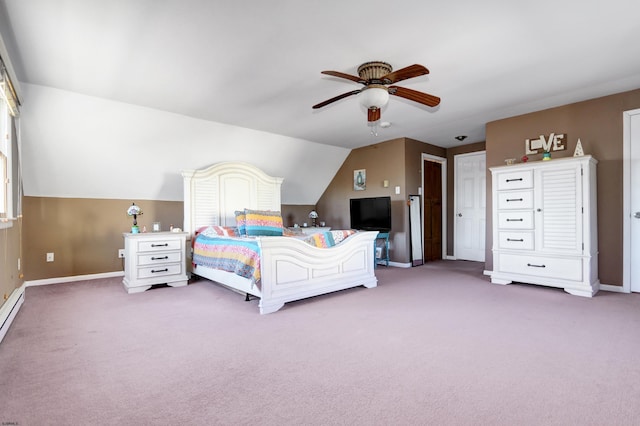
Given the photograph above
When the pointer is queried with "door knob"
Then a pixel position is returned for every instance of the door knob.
(637, 215)
(460, 214)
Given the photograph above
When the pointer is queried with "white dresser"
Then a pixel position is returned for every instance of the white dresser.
(154, 258)
(545, 224)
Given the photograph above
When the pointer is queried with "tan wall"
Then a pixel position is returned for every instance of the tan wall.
(598, 124)
(84, 234)
(292, 214)
(382, 161)
(10, 276)
(400, 162)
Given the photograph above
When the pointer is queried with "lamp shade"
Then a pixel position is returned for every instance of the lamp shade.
(374, 97)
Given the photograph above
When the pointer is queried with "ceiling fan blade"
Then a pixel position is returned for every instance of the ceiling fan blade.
(373, 114)
(414, 95)
(343, 75)
(337, 98)
(404, 73)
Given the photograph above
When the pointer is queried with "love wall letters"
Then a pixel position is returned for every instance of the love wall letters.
(552, 143)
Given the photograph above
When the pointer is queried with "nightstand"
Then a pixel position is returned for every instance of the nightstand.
(154, 258)
(315, 229)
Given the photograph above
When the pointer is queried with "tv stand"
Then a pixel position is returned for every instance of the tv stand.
(385, 248)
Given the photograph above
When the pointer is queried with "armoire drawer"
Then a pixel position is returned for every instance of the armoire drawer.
(509, 200)
(516, 240)
(515, 220)
(518, 179)
(549, 267)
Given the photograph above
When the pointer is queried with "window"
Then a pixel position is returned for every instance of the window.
(10, 205)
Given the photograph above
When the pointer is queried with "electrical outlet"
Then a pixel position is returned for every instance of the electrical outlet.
(121, 253)
(49, 257)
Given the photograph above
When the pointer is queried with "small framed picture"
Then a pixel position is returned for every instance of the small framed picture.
(360, 180)
(156, 227)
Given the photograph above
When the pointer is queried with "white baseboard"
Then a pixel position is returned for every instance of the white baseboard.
(9, 310)
(73, 278)
(614, 288)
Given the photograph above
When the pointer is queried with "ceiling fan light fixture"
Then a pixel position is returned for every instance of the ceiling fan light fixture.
(374, 97)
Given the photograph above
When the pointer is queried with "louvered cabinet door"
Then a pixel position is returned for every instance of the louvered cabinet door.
(558, 210)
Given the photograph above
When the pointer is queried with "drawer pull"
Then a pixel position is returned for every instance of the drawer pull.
(160, 258)
(519, 240)
(514, 199)
(160, 245)
(515, 220)
(153, 271)
(536, 266)
(514, 180)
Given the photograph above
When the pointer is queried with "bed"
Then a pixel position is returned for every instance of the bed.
(290, 268)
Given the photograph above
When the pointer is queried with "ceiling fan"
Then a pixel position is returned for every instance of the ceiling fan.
(376, 77)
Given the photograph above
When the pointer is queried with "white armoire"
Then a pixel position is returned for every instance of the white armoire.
(545, 224)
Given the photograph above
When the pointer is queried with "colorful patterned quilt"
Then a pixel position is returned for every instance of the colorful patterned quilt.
(238, 255)
(241, 255)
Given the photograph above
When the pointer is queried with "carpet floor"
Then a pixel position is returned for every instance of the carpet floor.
(436, 344)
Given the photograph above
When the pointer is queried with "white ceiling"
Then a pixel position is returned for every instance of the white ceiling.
(256, 63)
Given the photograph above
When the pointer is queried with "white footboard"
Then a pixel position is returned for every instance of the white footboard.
(294, 270)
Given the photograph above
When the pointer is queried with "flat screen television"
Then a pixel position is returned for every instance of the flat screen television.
(371, 214)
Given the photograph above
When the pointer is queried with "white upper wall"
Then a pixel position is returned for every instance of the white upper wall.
(77, 146)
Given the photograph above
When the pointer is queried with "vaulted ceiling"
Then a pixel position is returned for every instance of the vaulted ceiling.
(257, 64)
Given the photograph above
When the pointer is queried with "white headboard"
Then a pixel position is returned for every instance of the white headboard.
(213, 194)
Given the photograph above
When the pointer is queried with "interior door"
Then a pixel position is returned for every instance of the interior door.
(432, 227)
(635, 202)
(470, 211)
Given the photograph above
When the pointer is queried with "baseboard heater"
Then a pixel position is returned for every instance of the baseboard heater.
(9, 310)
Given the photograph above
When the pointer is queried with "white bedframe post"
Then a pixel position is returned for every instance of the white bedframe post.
(187, 176)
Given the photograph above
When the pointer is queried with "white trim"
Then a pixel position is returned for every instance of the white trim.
(397, 264)
(443, 163)
(613, 288)
(74, 278)
(9, 310)
(451, 258)
(626, 199)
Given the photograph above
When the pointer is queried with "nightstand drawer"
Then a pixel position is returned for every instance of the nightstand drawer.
(515, 200)
(159, 245)
(159, 271)
(159, 258)
(515, 220)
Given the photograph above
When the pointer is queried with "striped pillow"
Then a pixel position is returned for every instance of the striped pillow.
(241, 222)
(214, 230)
(261, 222)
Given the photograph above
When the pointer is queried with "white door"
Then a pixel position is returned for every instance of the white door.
(634, 127)
(470, 206)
